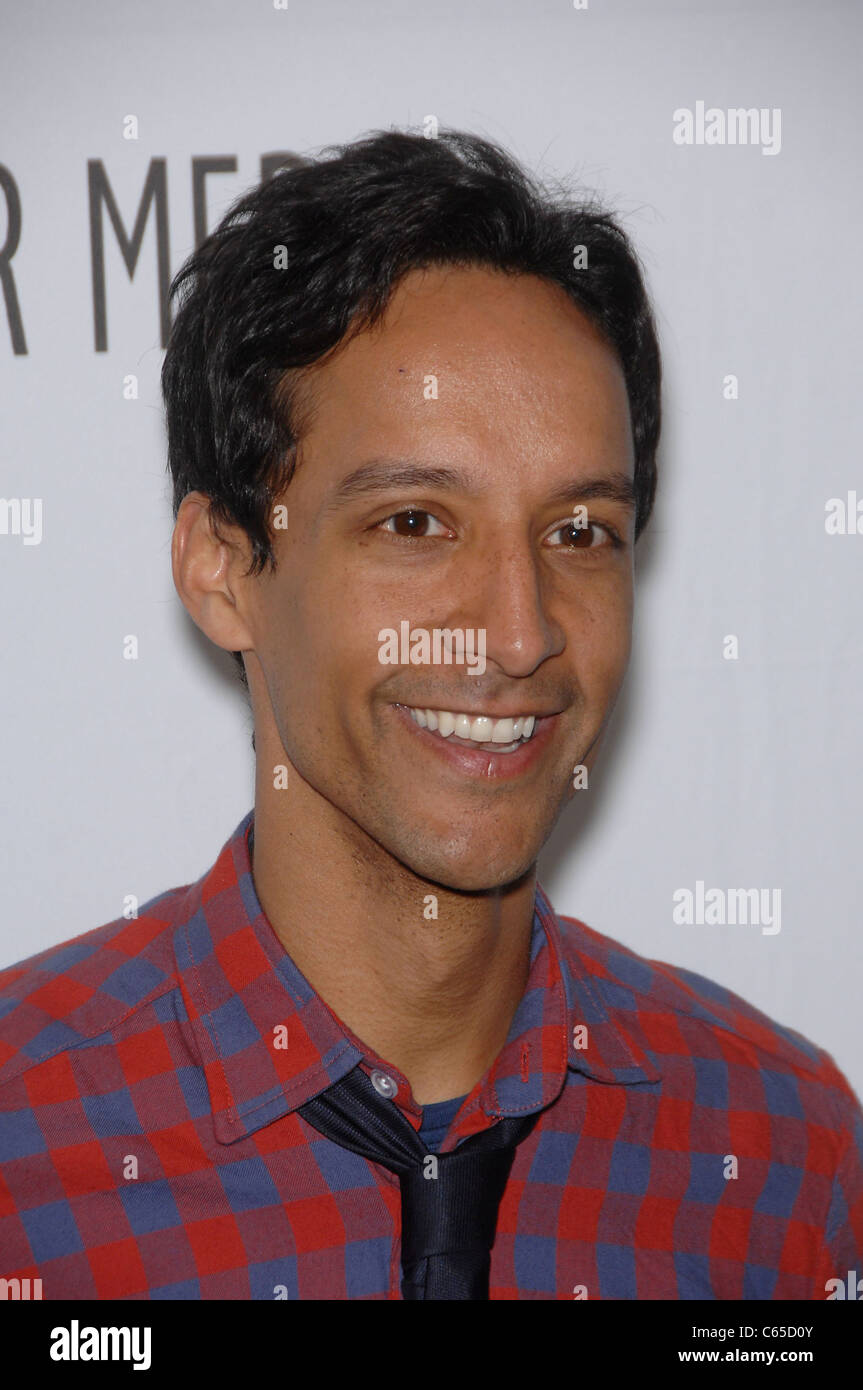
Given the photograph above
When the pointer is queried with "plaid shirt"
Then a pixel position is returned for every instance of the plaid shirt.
(150, 1073)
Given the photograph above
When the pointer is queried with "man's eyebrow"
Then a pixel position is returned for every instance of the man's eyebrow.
(383, 475)
(380, 475)
(610, 487)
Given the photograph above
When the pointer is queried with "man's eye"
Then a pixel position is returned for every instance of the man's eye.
(414, 522)
(577, 537)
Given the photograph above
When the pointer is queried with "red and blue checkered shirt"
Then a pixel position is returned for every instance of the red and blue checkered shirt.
(150, 1073)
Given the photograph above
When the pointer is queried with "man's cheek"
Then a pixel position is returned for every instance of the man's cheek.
(612, 644)
(601, 659)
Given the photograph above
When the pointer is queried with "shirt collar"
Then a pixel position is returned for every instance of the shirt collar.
(269, 1043)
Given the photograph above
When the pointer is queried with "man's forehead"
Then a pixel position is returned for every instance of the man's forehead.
(465, 361)
(458, 306)
(450, 333)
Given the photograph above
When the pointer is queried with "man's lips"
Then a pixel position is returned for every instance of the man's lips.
(486, 760)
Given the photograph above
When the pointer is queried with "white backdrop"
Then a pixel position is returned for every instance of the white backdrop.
(127, 776)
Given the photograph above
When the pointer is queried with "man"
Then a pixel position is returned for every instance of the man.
(413, 410)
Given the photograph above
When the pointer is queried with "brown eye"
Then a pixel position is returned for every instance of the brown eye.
(413, 523)
(593, 536)
(577, 537)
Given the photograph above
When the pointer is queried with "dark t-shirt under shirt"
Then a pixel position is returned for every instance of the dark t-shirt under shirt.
(437, 1119)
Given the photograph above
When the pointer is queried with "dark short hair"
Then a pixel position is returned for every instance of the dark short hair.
(353, 221)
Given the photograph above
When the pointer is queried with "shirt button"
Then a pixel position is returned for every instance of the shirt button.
(384, 1085)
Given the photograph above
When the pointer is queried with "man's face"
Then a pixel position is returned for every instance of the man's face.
(437, 487)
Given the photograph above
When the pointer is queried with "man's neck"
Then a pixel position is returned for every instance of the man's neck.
(432, 995)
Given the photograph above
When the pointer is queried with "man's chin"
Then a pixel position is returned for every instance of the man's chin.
(476, 872)
(482, 854)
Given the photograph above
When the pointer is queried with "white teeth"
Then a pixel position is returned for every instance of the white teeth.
(479, 728)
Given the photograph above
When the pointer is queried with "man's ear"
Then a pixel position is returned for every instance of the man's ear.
(210, 568)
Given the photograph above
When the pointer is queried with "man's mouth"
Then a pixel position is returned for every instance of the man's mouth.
(496, 745)
(484, 731)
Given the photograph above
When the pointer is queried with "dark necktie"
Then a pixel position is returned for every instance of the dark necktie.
(448, 1220)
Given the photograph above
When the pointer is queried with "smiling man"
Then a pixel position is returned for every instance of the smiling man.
(417, 779)
(410, 392)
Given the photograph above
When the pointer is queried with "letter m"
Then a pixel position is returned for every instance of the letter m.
(118, 1339)
(743, 907)
(101, 194)
(743, 125)
(10, 1288)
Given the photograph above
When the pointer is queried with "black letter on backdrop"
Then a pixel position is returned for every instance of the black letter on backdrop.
(101, 192)
(7, 251)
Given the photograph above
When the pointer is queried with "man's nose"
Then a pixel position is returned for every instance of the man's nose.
(507, 594)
